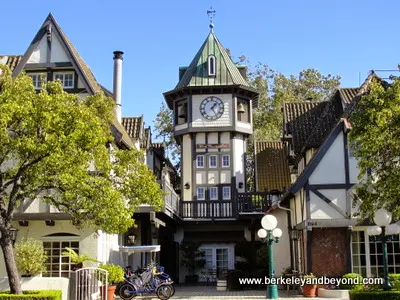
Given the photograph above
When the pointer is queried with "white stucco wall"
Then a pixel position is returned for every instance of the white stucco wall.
(38, 230)
(58, 53)
(187, 166)
(319, 209)
(238, 160)
(39, 54)
(331, 168)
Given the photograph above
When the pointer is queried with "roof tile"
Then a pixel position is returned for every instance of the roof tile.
(10, 60)
(272, 166)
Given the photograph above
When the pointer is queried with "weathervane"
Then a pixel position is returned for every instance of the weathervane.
(211, 15)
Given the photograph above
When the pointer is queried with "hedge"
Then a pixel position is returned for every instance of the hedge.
(394, 280)
(374, 295)
(33, 295)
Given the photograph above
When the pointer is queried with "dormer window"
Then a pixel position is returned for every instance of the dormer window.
(211, 65)
(66, 78)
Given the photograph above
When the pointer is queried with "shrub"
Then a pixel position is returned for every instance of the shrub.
(374, 295)
(33, 295)
(394, 280)
(353, 277)
(115, 273)
(30, 256)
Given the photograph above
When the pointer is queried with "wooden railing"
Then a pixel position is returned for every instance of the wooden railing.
(257, 202)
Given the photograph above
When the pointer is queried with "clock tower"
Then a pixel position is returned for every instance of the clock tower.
(212, 105)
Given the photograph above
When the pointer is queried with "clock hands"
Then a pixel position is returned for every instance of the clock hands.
(213, 106)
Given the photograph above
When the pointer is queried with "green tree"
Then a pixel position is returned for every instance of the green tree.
(276, 89)
(164, 126)
(375, 138)
(48, 142)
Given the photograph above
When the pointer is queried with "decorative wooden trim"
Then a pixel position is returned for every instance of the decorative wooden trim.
(309, 260)
(329, 202)
(300, 182)
(331, 186)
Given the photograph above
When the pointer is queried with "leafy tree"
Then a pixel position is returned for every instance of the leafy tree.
(48, 142)
(276, 89)
(375, 138)
(164, 126)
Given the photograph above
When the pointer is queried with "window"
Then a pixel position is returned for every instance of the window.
(200, 193)
(213, 193)
(200, 161)
(37, 79)
(226, 161)
(58, 265)
(211, 65)
(226, 192)
(67, 79)
(212, 160)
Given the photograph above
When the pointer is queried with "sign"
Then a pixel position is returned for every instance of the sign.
(212, 146)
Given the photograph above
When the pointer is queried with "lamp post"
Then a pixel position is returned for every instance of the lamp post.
(270, 234)
(382, 219)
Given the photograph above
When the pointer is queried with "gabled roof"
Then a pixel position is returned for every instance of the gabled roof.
(300, 119)
(347, 94)
(17, 64)
(272, 166)
(227, 73)
(134, 126)
(10, 61)
(80, 66)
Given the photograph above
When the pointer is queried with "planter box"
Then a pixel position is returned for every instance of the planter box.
(342, 294)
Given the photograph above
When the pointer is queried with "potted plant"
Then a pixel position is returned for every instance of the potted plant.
(115, 275)
(310, 286)
(192, 259)
(30, 257)
(77, 259)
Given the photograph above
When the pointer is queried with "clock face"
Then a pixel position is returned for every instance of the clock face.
(212, 108)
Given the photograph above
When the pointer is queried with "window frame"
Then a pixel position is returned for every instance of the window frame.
(214, 188)
(216, 161)
(197, 161)
(38, 83)
(204, 193)
(50, 262)
(229, 161)
(211, 66)
(223, 192)
(55, 74)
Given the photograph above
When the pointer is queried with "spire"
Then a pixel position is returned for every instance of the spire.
(211, 15)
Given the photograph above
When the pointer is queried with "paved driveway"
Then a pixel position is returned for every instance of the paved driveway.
(211, 293)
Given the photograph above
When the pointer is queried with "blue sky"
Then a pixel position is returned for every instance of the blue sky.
(341, 37)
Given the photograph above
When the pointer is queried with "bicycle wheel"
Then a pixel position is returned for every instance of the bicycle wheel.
(164, 291)
(127, 291)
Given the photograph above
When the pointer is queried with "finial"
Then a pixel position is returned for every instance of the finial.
(211, 15)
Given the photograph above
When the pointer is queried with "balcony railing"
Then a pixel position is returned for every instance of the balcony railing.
(243, 203)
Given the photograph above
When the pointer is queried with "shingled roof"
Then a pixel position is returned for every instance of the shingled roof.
(300, 119)
(272, 166)
(134, 126)
(10, 61)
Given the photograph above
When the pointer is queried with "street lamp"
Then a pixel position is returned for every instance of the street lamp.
(270, 234)
(382, 219)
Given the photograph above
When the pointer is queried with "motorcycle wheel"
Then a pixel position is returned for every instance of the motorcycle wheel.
(127, 291)
(165, 291)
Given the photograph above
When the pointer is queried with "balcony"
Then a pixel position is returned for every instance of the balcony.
(241, 205)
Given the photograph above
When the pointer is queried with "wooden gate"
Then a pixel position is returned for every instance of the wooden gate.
(89, 284)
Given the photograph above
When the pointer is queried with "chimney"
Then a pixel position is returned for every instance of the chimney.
(117, 84)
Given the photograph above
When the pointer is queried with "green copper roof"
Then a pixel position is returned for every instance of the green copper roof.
(226, 72)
